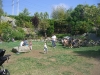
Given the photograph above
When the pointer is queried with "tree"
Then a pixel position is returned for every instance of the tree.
(23, 17)
(40, 21)
(44, 15)
(92, 14)
(80, 20)
(44, 24)
(37, 14)
(35, 21)
(50, 29)
(25, 12)
(58, 12)
(41, 16)
(98, 20)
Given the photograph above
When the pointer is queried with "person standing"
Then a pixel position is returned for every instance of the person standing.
(45, 48)
(53, 40)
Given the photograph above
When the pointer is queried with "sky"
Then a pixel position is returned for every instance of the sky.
(41, 5)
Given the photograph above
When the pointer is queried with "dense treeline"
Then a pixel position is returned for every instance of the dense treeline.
(81, 19)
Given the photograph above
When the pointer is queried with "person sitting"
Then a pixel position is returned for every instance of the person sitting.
(30, 45)
(22, 43)
(25, 42)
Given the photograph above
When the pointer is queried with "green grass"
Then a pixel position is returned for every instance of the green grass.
(58, 61)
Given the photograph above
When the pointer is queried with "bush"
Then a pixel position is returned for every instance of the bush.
(18, 35)
(62, 35)
(9, 33)
(3, 25)
(6, 34)
(50, 31)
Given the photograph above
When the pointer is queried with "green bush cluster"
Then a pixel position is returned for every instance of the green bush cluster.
(7, 32)
(62, 35)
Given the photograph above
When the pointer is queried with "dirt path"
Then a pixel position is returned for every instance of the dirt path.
(96, 68)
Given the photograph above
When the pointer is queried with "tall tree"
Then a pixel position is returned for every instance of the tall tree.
(98, 19)
(36, 14)
(93, 15)
(46, 15)
(35, 21)
(78, 20)
(44, 23)
(25, 12)
(58, 12)
(41, 16)
(23, 17)
(40, 21)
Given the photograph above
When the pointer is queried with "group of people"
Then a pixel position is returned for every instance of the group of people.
(53, 40)
(26, 43)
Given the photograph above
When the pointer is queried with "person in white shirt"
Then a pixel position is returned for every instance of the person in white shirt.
(45, 48)
(53, 41)
(21, 43)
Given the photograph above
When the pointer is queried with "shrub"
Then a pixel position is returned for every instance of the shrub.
(3, 25)
(50, 30)
(6, 34)
(18, 35)
(9, 33)
(62, 35)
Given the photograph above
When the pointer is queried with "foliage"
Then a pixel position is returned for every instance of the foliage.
(3, 25)
(61, 26)
(43, 25)
(43, 15)
(35, 21)
(8, 33)
(79, 21)
(23, 19)
(50, 29)
(25, 12)
(28, 24)
(17, 35)
(41, 22)
(82, 27)
(58, 12)
(62, 35)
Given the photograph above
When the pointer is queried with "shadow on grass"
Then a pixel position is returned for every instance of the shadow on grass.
(41, 52)
(89, 53)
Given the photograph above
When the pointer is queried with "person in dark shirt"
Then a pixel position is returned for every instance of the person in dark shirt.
(25, 42)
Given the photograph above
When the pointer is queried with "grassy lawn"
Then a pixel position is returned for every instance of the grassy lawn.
(58, 61)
